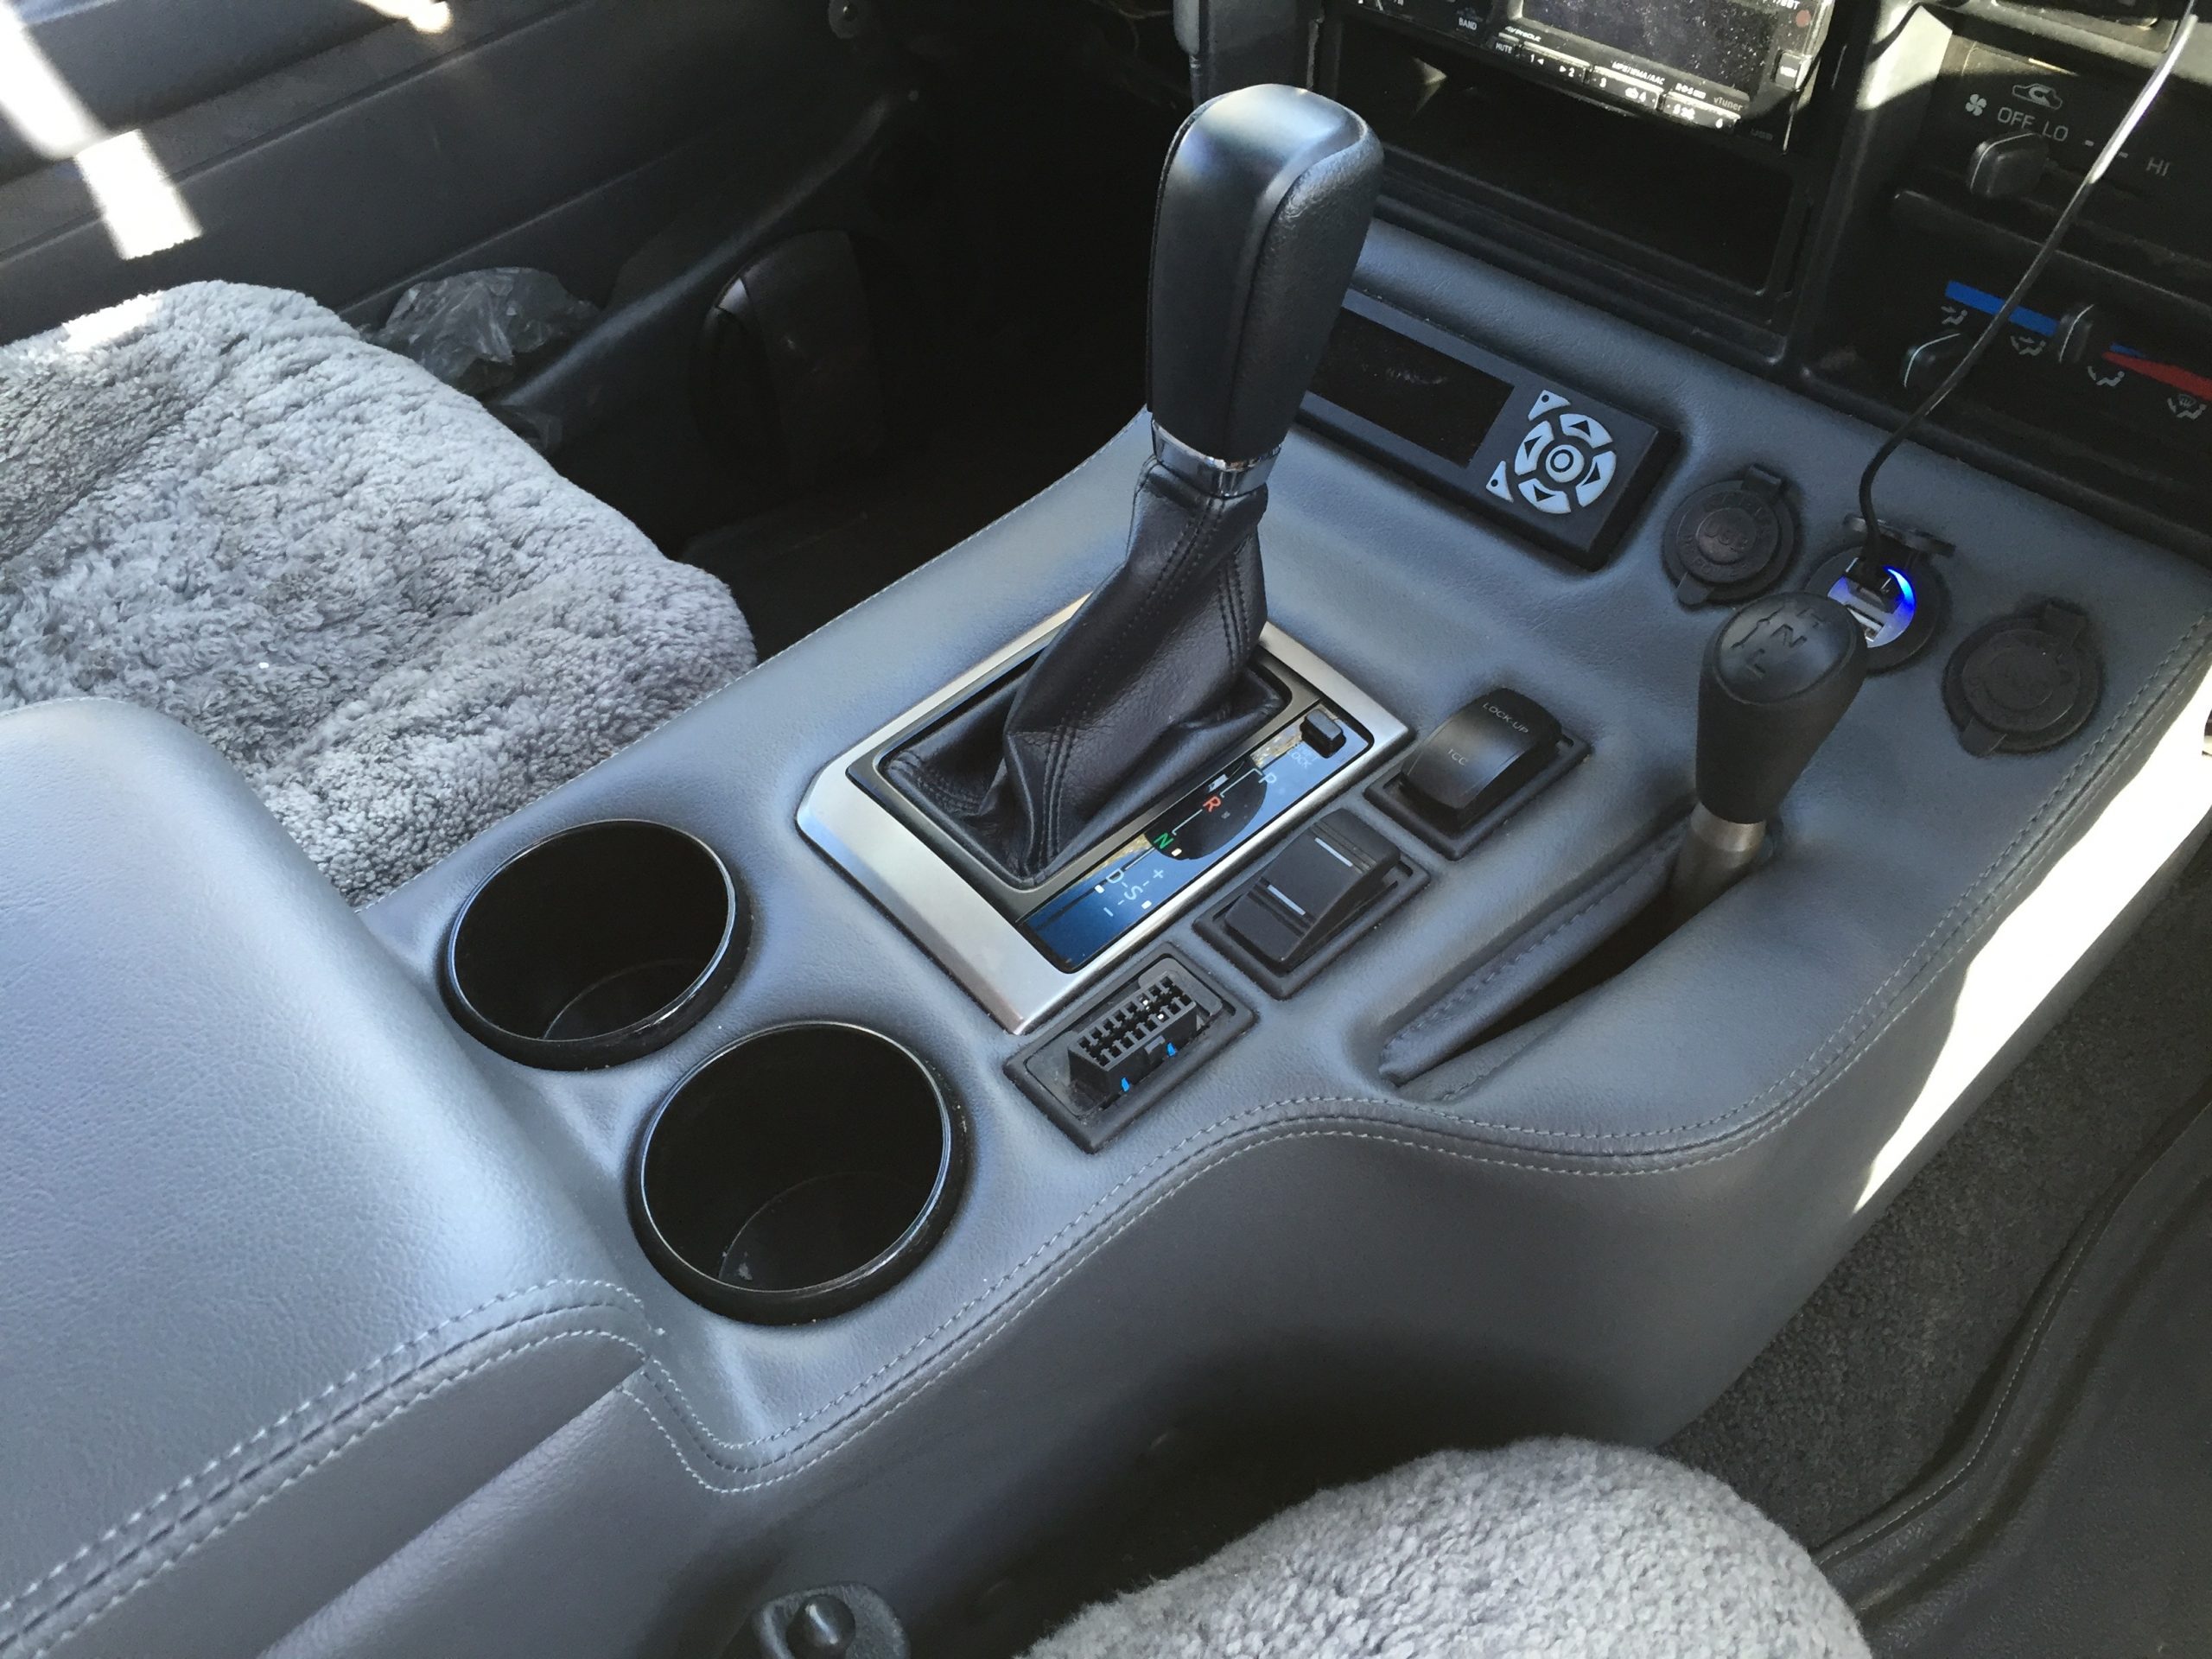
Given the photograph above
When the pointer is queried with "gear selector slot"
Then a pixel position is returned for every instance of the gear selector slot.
(1105, 890)
(1027, 951)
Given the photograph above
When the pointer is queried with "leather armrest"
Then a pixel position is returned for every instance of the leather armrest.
(280, 1280)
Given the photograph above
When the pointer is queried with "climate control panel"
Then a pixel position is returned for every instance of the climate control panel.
(2100, 382)
(2072, 368)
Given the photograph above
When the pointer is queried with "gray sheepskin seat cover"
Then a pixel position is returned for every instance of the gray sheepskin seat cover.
(1556, 1547)
(384, 607)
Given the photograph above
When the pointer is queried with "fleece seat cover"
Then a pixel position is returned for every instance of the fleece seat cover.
(1547, 1548)
(384, 607)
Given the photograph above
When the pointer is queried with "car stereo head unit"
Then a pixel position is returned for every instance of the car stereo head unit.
(1706, 63)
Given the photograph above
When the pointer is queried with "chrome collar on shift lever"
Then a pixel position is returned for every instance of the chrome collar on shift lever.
(1222, 478)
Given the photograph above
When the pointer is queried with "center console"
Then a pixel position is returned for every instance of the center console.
(1507, 943)
(1514, 1152)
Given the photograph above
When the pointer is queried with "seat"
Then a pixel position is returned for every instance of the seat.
(380, 604)
(1550, 1547)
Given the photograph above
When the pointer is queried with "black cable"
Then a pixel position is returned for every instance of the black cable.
(2183, 28)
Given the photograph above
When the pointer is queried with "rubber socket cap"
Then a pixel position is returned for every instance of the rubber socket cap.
(2023, 683)
(1778, 676)
(1731, 539)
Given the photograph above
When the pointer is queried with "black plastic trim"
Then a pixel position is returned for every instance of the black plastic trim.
(1394, 798)
(1406, 880)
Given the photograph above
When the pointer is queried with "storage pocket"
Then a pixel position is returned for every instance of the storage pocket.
(1576, 945)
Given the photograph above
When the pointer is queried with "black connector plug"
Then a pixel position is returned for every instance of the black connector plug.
(1134, 1038)
(1097, 1071)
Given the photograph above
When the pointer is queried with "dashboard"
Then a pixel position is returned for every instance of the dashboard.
(1837, 197)
(1715, 64)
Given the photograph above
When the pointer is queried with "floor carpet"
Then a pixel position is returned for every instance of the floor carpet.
(1870, 1385)
(2077, 1519)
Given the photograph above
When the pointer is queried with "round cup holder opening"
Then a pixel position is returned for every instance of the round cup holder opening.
(799, 1173)
(596, 946)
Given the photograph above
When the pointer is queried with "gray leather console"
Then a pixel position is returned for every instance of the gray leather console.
(249, 1154)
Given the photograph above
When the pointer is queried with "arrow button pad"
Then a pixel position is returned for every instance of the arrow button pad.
(1544, 498)
(1576, 451)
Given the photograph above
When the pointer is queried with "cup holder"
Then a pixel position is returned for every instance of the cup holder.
(799, 1173)
(596, 946)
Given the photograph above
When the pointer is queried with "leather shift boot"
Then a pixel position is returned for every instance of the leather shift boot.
(1147, 686)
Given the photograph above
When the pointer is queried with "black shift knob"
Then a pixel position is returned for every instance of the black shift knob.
(1263, 207)
(1778, 677)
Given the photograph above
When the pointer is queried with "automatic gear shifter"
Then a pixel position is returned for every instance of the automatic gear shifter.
(1262, 210)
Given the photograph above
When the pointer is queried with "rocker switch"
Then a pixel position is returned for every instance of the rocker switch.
(1331, 873)
(1475, 759)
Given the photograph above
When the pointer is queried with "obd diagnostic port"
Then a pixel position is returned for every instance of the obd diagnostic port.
(1134, 1038)
(1096, 1071)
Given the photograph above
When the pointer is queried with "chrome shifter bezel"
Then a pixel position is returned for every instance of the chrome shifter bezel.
(962, 929)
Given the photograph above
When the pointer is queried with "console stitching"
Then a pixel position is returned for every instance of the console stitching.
(351, 1376)
(1212, 1133)
(1237, 1124)
(1993, 881)
(1167, 1159)
(1619, 877)
(1222, 1129)
(1032, 1295)
(140, 1546)
(362, 1432)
